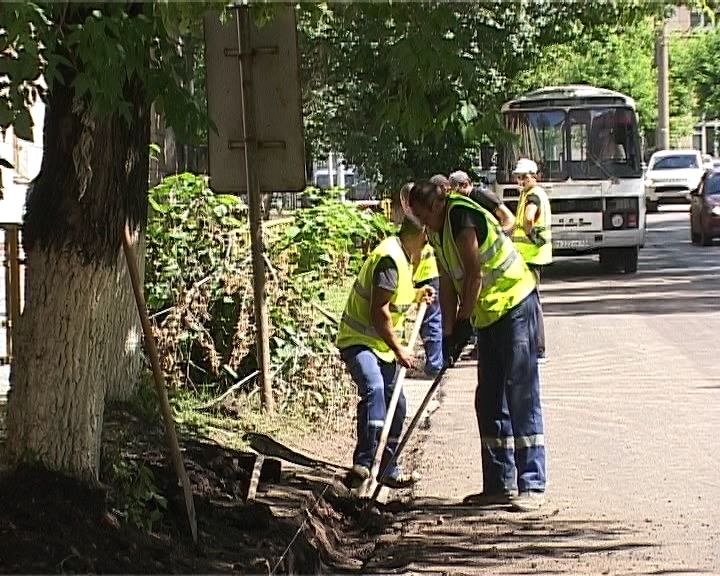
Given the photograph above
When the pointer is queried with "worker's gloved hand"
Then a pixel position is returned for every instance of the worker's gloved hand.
(453, 345)
(446, 351)
(535, 238)
(462, 332)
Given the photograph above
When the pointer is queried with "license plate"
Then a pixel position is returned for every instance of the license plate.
(571, 244)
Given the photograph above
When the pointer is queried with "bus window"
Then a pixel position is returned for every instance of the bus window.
(539, 136)
(603, 143)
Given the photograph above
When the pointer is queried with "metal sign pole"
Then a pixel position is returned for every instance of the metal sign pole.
(242, 19)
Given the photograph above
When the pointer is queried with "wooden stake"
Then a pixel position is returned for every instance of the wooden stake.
(170, 433)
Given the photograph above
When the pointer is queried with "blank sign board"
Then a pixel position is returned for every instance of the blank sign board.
(275, 91)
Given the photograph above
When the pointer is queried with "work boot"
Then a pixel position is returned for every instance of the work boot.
(400, 480)
(528, 501)
(357, 475)
(489, 499)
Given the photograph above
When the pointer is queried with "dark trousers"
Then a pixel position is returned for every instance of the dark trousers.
(540, 320)
(431, 330)
(507, 402)
(375, 381)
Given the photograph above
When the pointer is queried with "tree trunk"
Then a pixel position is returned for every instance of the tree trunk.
(124, 352)
(79, 313)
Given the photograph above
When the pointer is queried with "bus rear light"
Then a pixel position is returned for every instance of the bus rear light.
(632, 220)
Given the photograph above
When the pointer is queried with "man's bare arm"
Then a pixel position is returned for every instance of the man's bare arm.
(531, 215)
(448, 302)
(382, 322)
(467, 245)
(505, 217)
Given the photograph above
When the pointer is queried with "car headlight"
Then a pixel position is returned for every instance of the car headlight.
(715, 211)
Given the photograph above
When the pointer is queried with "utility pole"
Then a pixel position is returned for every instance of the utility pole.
(663, 86)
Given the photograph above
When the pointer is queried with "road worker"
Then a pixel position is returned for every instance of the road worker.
(371, 345)
(425, 274)
(460, 182)
(486, 285)
(532, 234)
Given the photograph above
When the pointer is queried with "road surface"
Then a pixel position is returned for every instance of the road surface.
(631, 396)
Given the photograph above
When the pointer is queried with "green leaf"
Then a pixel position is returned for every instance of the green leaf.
(23, 125)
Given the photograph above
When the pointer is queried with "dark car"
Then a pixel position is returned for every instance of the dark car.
(705, 210)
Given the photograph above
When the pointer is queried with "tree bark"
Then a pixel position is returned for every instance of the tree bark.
(79, 312)
(124, 357)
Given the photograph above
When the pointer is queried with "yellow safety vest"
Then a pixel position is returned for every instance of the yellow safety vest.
(506, 279)
(356, 326)
(531, 252)
(427, 267)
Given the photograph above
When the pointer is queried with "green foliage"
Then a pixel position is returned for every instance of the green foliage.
(620, 59)
(136, 498)
(191, 234)
(101, 49)
(199, 284)
(697, 70)
(623, 59)
(409, 89)
(332, 238)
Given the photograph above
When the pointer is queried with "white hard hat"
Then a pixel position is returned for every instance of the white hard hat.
(525, 166)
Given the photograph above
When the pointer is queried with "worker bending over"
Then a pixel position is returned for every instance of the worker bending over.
(371, 344)
(485, 284)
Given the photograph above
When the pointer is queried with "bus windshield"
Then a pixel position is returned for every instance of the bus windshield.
(589, 143)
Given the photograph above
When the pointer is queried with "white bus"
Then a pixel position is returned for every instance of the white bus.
(586, 144)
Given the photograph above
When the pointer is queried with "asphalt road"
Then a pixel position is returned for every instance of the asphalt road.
(631, 396)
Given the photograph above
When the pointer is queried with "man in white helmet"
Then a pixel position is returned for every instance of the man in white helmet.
(532, 233)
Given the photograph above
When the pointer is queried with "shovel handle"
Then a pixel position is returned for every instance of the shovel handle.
(416, 419)
(392, 406)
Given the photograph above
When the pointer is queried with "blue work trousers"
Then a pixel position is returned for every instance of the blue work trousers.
(507, 402)
(431, 330)
(374, 379)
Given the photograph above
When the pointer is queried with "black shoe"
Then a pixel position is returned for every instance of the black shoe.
(357, 476)
(489, 499)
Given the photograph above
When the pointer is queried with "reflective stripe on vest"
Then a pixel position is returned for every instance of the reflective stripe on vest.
(506, 279)
(531, 252)
(362, 328)
(356, 327)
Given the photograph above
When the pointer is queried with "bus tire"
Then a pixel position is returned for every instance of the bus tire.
(609, 260)
(630, 259)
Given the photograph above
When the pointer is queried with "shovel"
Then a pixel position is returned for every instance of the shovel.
(371, 483)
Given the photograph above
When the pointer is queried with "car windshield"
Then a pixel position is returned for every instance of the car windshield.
(675, 162)
(583, 144)
(712, 185)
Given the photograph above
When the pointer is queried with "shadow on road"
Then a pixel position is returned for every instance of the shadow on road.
(674, 277)
(451, 537)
